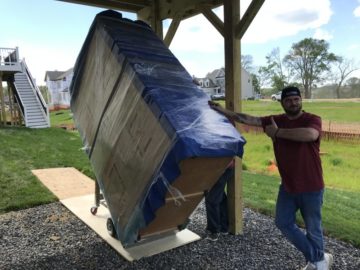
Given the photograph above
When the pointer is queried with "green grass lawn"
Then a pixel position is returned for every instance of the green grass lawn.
(341, 112)
(340, 163)
(61, 117)
(25, 149)
(341, 211)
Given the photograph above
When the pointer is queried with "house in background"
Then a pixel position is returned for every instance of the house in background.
(214, 83)
(58, 83)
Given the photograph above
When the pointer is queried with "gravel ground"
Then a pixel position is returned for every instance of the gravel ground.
(51, 237)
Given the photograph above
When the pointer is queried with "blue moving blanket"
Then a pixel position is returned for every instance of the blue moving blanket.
(140, 115)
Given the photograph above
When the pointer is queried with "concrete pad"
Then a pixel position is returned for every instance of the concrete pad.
(65, 182)
(81, 205)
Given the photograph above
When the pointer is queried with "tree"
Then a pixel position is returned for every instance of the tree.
(256, 83)
(309, 59)
(344, 67)
(276, 70)
(44, 92)
(246, 62)
(354, 84)
(262, 78)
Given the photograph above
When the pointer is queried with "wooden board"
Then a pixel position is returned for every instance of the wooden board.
(65, 182)
(80, 206)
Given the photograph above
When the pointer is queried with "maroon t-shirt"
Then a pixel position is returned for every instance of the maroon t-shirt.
(298, 162)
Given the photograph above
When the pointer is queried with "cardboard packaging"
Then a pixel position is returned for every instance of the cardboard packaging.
(154, 143)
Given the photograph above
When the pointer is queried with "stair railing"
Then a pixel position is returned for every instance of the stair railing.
(9, 56)
(36, 90)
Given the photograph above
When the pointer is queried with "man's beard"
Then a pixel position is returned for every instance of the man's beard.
(293, 112)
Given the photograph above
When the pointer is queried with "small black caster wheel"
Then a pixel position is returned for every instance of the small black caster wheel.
(184, 225)
(110, 227)
(93, 210)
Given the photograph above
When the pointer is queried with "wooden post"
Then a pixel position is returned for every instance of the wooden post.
(156, 22)
(11, 106)
(233, 99)
(3, 112)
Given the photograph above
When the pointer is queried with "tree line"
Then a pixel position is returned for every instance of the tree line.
(307, 65)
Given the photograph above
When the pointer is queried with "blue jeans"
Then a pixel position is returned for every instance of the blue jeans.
(216, 204)
(311, 243)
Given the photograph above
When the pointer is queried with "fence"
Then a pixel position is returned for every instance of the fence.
(330, 131)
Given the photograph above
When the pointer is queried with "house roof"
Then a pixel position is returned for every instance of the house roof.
(52, 75)
(57, 75)
(216, 74)
(66, 73)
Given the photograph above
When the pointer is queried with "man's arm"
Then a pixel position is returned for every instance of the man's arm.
(298, 134)
(308, 134)
(237, 117)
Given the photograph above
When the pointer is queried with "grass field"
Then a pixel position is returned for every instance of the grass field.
(340, 161)
(62, 117)
(340, 112)
(25, 149)
(341, 211)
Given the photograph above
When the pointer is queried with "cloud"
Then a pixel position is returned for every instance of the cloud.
(280, 18)
(196, 38)
(276, 19)
(322, 34)
(40, 59)
(357, 11)
(197, 35)
(353, 47)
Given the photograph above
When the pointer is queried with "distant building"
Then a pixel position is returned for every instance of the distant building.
(58, 83)
(214, 83)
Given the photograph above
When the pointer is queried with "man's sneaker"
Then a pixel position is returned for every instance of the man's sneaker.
(326, 263)
(213, 236)
(309, 266)
(329, 258)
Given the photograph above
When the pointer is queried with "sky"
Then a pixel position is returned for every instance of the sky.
(49, 33)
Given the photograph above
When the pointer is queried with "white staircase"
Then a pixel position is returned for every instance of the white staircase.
(36, 113)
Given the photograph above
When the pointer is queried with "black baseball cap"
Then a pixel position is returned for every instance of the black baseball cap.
(290, 91)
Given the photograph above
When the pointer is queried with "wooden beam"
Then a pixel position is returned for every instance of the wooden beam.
(232, 102)
(123, 5)
(169, 9)
(156, 22)
(248, 17)
(213, 19)
(172, 30)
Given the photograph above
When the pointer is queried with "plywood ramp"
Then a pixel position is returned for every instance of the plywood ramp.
(75, 191)
(65, 182)
(80, 206)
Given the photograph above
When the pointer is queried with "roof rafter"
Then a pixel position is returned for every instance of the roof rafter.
(124, 5)
(248, 17)
(170, 9)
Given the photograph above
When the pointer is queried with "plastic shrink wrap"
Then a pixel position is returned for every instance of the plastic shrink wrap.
(154, 144)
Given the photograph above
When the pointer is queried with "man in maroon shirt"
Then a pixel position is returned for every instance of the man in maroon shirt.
(296, 142)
